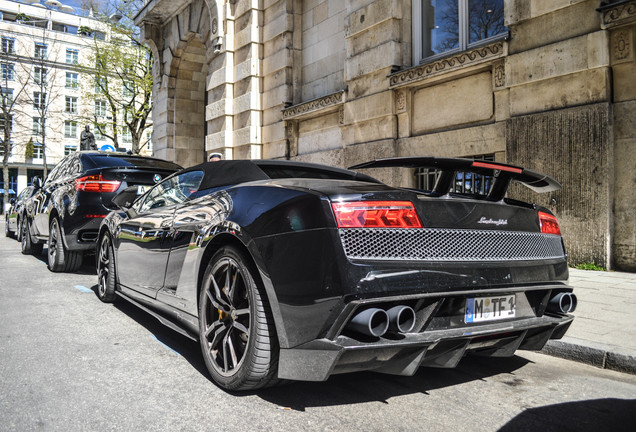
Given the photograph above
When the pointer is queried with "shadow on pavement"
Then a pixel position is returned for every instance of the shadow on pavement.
(590, 415)
(374, 387)
(187, 348)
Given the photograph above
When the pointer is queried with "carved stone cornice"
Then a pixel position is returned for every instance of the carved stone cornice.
(615, 14)
(326, 103)
(448, 64)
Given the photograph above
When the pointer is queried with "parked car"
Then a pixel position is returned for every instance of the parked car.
(65, 211)
(15, 214)
(286, 270)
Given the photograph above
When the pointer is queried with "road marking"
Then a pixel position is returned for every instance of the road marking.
(83, 289)
(155, 338)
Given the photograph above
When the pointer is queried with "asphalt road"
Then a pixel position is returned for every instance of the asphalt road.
(70, 363)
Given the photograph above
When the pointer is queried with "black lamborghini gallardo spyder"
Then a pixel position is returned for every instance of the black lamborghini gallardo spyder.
(294, 271)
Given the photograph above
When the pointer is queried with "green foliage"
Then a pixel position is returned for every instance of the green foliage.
(22, 17)
(83, 30)
(28, 152)
(590, 266)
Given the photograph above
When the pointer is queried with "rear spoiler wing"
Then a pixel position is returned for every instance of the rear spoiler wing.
(502, 174)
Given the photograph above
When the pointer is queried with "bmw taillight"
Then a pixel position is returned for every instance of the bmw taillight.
(549, 224)
(96, 183)
(376, 214)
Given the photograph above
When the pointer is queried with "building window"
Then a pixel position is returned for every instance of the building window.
(72, 81)
(38, 126)
(38, 151)
(71, 104)
(4, 122)
(8, 71)
(98, 133)
(69, 149)
(128, 89)
(39, 75)
(64, 28)
(126, 136)
(72, 56)
(40, 51)
(465, 182)
(39, 100)
(7, 95)
(8, 45)
(445, 26)
(101, 85)
(100, 108)
(70, 129)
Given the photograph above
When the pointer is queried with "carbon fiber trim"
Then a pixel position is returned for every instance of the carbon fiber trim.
(434, 244)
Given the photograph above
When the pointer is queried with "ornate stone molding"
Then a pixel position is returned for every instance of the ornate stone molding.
(622, 50)
(499, 74)
(618, 13)
(447, 64)
(325, 103)
(400, 101)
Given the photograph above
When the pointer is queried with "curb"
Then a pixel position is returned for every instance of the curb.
(596, 354)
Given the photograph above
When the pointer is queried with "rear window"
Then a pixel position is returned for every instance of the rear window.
(108, 161)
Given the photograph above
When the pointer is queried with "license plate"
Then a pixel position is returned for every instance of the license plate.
(142, 189)
(480, 309)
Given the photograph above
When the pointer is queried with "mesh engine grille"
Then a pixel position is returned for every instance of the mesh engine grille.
(431, 244)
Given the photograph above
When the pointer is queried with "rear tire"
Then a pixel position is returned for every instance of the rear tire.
(61, 259)
(237, 335)
(106, 282)
(18, 233)
(28, 246)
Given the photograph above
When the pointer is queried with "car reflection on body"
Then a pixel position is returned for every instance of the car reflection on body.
(286, 270)
(65, 212)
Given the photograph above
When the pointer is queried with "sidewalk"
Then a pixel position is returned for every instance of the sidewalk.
(603, 333)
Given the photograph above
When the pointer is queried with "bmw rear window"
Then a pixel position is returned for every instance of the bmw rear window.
(108, 161)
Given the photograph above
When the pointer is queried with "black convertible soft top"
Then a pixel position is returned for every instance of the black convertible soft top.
(230, 172)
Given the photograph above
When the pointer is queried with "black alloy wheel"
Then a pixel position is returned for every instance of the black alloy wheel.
(237, 336)
(28, 247)
(61, 259)
(106, 284)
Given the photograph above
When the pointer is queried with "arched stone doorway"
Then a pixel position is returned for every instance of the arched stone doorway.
(190, 71)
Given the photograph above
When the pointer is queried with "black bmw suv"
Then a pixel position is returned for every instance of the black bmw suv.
(65, 211)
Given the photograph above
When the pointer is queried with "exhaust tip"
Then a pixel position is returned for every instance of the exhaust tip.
(401, 319)
(563, 303)
(370, 322)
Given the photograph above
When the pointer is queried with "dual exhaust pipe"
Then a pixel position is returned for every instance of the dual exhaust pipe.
(562, 303)
(376, 322)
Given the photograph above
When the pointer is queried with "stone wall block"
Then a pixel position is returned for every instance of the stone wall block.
(462, 101)
(385, 55)
(576, 20)
(573, 146)
(373, 14)
(580, 88)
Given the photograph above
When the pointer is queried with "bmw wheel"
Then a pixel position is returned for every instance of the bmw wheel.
(61, 259)
(106, 284)
(28, 246)
(237, 335)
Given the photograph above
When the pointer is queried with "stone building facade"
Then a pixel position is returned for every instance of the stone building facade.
(549, 84)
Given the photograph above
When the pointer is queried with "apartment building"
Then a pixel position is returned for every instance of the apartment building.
(46, 49)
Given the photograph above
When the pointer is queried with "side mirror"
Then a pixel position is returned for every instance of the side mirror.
(12, 201)
(37, 182)
(125, 199)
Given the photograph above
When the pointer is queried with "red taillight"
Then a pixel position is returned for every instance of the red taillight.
(376, 214)
(96, 183)
(497, 167)
(549, 224)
